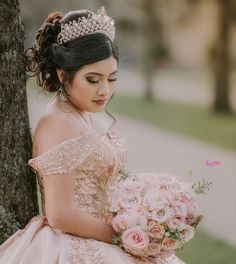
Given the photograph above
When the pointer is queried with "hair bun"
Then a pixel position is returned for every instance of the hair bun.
(54, 17)
(40, 56)
(50, 28)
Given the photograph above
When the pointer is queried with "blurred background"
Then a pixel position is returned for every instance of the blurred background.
(175, 100)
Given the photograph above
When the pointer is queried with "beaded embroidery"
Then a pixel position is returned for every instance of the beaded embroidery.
(95, 160)
(89, 251)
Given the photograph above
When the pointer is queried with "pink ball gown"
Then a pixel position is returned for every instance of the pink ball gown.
(94, 159)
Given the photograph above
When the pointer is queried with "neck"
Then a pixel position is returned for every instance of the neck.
(69, 105)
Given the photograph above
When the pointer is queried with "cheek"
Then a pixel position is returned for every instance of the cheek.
(88, 90)
(83, 89)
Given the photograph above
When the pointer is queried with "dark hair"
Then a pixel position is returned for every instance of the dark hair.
(46, 55)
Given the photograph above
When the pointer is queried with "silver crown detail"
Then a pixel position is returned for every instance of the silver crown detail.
(94, 23)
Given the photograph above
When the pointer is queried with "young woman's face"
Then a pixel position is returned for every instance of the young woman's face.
(93, 85)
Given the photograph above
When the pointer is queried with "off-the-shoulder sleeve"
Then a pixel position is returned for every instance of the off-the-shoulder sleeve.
(65, 157)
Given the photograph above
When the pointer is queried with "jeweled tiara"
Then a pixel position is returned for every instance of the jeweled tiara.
(94, 23)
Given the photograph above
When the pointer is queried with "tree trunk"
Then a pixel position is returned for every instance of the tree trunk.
(148, 60)
(154, 45)
(222, 62)
(18, 191)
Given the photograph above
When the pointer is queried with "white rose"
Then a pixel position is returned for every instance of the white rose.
(187, 233)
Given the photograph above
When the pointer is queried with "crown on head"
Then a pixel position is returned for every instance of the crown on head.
(94, 23)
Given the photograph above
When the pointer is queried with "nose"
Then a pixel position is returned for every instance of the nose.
(103, 90)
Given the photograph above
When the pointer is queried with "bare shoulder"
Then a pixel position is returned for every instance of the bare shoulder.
(53, 128)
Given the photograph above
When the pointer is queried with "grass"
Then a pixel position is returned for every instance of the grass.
(193, 121)
(204, 249)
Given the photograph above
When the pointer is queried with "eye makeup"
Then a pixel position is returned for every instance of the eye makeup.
(93, 81)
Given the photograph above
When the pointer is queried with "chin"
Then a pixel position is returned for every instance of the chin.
(95, 109)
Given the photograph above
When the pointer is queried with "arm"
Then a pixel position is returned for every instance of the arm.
(64, 215)
(61, 211)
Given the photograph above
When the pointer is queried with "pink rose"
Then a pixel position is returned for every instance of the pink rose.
(156, 230)
(170, 243)
(180, 209)
(146, 177)
(154, 200)
(163, 214)
(135, 240)
(185, 199)
(133, 186)
(166, 254)
(177, 223)
(167, 179)
(153, 249)
(129, 200)
(120, 222)
(192, 209)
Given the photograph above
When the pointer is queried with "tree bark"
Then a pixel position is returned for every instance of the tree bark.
(222, 62)
(18, 188)
(151, 35)
(154, 45)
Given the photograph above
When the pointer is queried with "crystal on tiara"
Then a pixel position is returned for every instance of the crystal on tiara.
(94, 23)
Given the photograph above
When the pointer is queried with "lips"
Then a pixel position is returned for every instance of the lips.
(100, 102)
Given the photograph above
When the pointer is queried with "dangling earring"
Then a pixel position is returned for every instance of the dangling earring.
(62, 94)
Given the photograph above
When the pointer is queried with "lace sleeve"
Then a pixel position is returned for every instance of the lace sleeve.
(65, 157)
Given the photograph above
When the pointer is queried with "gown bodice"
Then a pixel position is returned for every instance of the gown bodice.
(94, 159)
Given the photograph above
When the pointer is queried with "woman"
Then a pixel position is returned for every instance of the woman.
(75, 56)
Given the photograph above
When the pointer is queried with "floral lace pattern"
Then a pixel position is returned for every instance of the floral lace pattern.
(64, 157)
(86, 251)
(170, 260)
(95, 160)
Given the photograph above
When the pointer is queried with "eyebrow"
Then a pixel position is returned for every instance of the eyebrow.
(99, 74)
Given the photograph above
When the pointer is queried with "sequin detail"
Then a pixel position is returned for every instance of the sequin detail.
(86, 251)
(169, 260)
(95, 161)
(64, 157)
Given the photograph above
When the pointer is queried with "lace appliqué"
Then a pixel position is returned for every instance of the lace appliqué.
(92, 177)
(94, 159)
(86, 251)
(168, 260)
(64, 157)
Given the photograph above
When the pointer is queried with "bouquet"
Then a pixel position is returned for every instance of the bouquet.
(153, 214)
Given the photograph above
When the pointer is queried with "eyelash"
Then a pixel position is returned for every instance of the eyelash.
(111, 80)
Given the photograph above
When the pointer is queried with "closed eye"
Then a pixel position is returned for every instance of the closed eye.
(110, 80)
(92, 81)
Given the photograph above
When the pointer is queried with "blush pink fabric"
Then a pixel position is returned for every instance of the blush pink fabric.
(94, 159)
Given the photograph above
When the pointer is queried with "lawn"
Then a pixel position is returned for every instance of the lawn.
(193, 121)
(204, 249)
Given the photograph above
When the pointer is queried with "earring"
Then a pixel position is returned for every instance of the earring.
(62, 94)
